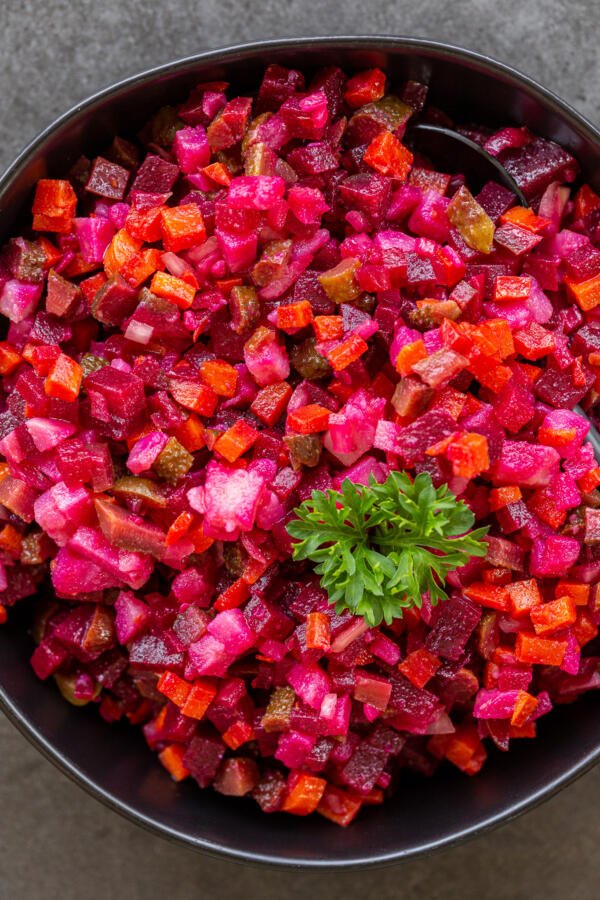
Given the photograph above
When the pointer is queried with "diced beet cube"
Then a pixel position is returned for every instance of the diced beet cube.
(454, 624)
(203, 757)
(107, 179)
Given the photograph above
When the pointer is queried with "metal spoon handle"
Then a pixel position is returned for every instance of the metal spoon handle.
(445, 142)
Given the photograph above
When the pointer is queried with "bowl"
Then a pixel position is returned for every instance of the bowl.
(112, 762)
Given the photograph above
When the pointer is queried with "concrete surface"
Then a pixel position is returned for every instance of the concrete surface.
(55, 842)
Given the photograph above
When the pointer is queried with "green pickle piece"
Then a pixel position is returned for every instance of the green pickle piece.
(90, 363)
(339, 283)
(234, 558)
(273, 260)
(471, 220)
(173, 462)
(164, 126)
(245, 308)
(307, 360)
(66, 685)
(279, 709)
(304, 450)
(134, 488)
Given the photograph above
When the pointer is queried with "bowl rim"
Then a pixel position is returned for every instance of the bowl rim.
(24, 723)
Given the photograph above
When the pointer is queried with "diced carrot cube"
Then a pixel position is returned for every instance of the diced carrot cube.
(144, 224)
(218, 172)
(387, 155)
(440, 448)
(366, 87)
(525, 705)
(500, 335)
(420, 666)
(202, 693)
(585, 293)
(226, 285)
(465, 750)
(200, 398)
(328, 328)
(294, 315)
(173, 289)
(11, 541)
(489, 595)
(179, 528)
(523, 597)
(236, 441)
(586, 200)
(237, 734)
(141, 266)
(172, 759)
(492, 377)
(341, 356)
(10, 358)
(525, 218)
(303, 793)
(191, 434)
(497, 575)
(409, 355)
(591, 480)
(52, 253)
(576, 590)
(318, 636)
(540, 651)
(174, 687)
(585, 628)
(64, 379)
(554, 615)
(339, 806)
(556, 437)
(233, 596)
(468, 454)
(182, 227)
(309, 419)
(120, 250)
(510, 288)
(54, 206)
(200, 541)
(502, 496)
(220, 376)
(523, 731)
(91, 286)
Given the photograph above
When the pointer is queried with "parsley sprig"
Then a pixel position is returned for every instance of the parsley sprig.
(379, 547)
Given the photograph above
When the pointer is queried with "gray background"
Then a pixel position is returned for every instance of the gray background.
(55, 842)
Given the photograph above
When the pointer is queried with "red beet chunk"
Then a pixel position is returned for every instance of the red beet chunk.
(107, 179)
(555, 387)
(454, 624)
(428, 430)
(152, 652)
(538, 164)
(364, 768)
(203, 757)
(155, 176)
(63, 296)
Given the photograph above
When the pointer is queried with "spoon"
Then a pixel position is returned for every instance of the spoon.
(451, 151)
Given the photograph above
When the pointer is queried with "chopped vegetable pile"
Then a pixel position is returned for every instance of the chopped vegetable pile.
(267, 297)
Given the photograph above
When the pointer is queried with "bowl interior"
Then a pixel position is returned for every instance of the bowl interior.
(113, 762)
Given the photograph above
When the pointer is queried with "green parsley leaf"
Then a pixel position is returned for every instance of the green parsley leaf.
(379, 547)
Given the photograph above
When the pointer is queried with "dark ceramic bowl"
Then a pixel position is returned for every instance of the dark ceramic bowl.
(113, 763)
